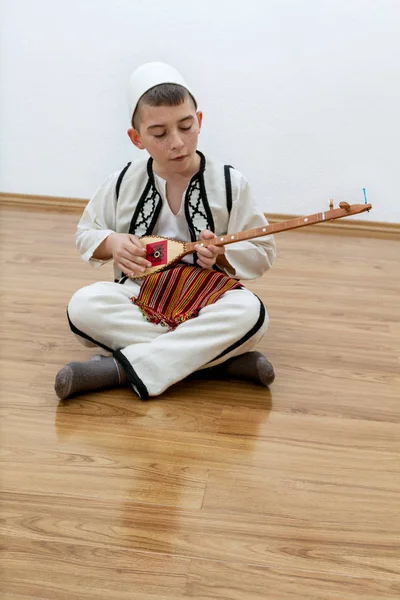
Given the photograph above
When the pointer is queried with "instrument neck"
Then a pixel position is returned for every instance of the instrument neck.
(250, 234)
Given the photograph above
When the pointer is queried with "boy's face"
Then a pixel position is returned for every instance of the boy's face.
(170, 135)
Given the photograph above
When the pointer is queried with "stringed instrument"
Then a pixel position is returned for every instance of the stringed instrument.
(164, 252)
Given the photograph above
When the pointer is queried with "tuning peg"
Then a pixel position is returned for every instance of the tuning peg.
(331, 204)
(344, 205)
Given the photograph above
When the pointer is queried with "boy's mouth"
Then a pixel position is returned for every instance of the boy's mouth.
(179, 158)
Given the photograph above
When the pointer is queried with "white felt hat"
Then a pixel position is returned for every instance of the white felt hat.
(149, 75)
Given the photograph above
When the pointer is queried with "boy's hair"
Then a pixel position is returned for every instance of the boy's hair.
(165, 94)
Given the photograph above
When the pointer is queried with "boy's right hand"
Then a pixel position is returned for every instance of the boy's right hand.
(128, 253)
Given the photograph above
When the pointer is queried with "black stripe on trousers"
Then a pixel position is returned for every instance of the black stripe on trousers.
(256, 327)
(131, 374)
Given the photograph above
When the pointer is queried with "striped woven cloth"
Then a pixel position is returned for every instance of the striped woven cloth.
(173, 296)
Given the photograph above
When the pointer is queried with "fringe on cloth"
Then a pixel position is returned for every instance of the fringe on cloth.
(173, 296)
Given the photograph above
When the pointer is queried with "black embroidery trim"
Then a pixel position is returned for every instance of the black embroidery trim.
(139, 208)
(150, 228)
(203, 196)
(193, 207)
(120, 178)
(228, 187)
(157, 211)
(198, 206)
(150, 194)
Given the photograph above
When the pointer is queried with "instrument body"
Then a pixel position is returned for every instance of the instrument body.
(164, 252)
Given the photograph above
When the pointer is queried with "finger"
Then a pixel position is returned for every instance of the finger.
(206, 234)
(204, 252)
(138, 244)
(142, 262)
(210, 250)
(131, 256)
(130, 268)
(130, 272)
(216, 249)
(206, 257)
(205, 265)
(210, 246)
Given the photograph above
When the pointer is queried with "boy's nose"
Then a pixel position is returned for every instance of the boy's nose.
(176, 141)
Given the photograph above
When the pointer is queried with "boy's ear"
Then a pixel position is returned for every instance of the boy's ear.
(199, 118)
(134, 136)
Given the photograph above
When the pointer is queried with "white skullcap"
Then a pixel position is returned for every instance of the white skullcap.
(149, 75)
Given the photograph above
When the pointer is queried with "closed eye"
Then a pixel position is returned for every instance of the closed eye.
(161, 135)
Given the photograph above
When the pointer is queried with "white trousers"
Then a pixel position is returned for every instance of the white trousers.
(153, 356)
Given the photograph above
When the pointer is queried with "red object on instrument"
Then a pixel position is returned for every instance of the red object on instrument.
(157, 253)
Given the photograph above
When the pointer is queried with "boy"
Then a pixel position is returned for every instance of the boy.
(176, 193)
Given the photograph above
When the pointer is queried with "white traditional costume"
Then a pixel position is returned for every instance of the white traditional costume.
(218, 197)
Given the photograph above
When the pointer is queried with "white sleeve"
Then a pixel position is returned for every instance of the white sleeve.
(98, 221)
(249, 259)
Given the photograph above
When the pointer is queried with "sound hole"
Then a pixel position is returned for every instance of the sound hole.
(156, 253)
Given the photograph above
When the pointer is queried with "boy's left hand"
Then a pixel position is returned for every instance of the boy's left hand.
(206, 257)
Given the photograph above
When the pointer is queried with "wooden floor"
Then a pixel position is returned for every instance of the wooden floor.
(216, 490)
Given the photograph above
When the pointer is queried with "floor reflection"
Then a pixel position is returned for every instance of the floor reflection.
(150, 461)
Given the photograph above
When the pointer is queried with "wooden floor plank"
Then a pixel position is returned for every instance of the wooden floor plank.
(335, 497)
(69, 571)
(237, 581)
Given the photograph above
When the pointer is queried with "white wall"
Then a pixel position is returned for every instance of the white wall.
(302, 96)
